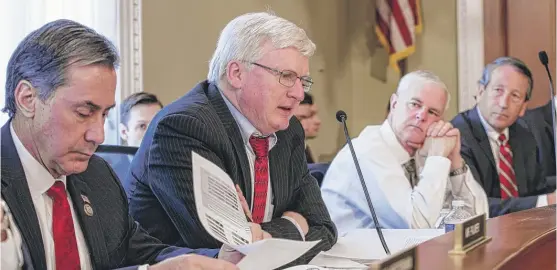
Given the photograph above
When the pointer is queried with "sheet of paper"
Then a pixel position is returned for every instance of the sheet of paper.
(221, 214)
(329, 262)
(272, 253)
(364, 246)
(218, 205)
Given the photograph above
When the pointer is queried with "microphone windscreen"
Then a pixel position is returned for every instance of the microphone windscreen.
(543, 57)
(341, 115)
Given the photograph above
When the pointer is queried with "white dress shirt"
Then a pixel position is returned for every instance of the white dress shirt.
(397, 204)
(247, 130)
(40, 181)
(493, 136)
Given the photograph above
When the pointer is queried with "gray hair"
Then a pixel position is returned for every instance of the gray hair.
(45, 55)
(516, 63)
(243, 37)
(419, 79)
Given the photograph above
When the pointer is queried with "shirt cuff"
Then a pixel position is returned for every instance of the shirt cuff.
(542, 201)
(297, 226)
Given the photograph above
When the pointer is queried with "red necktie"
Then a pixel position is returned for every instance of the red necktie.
(65, 244)
(261, 148)
(507, 178)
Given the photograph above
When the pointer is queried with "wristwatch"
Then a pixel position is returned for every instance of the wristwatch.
(459, 171)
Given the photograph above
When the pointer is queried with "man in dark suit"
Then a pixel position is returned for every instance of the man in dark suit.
(136, 112)
(241, 120)
(308, 117)
(497, 145)
(67, 207)
(540, 123)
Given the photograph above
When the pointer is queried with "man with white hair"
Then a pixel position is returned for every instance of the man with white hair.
(411, 164)
(240, 119)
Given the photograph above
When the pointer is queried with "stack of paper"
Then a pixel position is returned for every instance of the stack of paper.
(364, 246)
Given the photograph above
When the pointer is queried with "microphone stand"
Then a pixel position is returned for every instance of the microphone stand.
(341, 117)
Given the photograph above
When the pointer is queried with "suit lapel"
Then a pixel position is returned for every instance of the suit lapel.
(483, 140)
(89, 221)
(277, 170)
(235, 138)
(481, 136)
(15, 192)
(515, 133)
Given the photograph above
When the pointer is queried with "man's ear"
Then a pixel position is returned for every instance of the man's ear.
(394, 99)
(26, 97)
(123, 131)
(235, 73)
(481, 91)
(523, 109)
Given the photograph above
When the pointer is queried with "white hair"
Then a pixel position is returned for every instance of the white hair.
(242, 39)
(419, 79)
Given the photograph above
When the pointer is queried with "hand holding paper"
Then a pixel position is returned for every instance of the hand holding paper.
(222, 210)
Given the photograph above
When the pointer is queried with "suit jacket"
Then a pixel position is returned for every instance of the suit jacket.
(540, 122)
(162, 197)
(477, 153)
(113, 238)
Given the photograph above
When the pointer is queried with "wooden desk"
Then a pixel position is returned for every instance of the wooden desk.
(523, 240)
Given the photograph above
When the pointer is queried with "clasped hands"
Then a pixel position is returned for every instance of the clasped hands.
(442, 139)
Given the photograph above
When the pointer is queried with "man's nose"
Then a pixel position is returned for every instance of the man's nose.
(95, 133)
(422, 115)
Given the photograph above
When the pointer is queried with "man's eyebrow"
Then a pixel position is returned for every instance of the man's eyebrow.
(416, 99)
(94, 107)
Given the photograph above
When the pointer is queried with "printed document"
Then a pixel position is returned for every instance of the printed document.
(221, 214)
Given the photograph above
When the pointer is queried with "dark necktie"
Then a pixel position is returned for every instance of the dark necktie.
(410, 171)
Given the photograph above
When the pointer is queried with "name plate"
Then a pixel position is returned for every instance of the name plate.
(470, 234)
(403, 260)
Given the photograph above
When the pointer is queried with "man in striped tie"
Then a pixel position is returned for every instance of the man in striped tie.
(498, 146)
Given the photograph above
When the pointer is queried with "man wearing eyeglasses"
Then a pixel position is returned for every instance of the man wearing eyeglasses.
(240, 119)
(498, 146)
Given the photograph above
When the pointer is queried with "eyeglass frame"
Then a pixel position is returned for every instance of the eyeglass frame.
(281, 74)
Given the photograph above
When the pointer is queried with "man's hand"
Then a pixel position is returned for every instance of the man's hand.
(193, 262)
(5, 225)
(302, 222)
(257, 233)
(229, 254)
(551, 198)
(444, 140)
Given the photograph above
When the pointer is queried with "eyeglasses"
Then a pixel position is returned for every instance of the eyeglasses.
(288, 77)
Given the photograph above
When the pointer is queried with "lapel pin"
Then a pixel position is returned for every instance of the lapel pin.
(85, 199)
(88, 209)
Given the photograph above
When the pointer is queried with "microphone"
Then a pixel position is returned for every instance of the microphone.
(341, 117)
(544, 59)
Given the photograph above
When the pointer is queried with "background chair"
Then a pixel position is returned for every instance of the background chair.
(119, 158)
(318, 170)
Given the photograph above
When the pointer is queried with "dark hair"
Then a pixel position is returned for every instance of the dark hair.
(308, 99)
(44, 56)
(516, 63)
(134, 100)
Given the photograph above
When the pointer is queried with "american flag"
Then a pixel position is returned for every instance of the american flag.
(397, 23)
